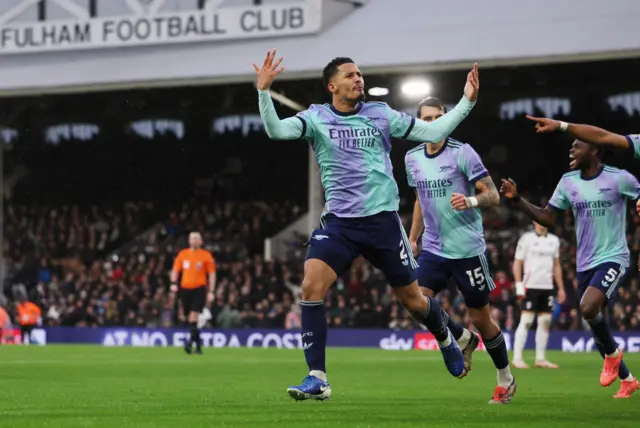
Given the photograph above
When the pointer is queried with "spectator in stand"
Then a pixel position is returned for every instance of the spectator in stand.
(130, 286)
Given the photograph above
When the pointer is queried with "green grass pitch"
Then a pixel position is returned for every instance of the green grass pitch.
(90, 386)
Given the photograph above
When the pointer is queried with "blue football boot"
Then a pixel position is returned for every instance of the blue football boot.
(311, 387)
(453, 358)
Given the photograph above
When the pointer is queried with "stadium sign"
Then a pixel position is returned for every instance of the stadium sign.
(401, 340)
(627, 343)
(149, 22)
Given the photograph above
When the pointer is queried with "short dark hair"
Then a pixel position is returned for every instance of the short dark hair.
(431, 102)
(331, 69)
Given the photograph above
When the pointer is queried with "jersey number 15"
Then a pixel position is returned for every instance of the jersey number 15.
(476, 278)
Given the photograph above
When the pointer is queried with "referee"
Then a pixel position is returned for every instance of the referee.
(198, 270)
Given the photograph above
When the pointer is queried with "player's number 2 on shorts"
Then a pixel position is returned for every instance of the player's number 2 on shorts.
(476, 277)
(403, 252)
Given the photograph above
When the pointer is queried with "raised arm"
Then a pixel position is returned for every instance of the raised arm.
(587, 133)
(291, 128)
(545, 216)
(438, 130)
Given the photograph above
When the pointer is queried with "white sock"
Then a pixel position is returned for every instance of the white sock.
(504, 377)
(542, 336)
(464, 339)
(447, 341)
(526, 319)
(629, 378)
(614, 355)
(319, 374)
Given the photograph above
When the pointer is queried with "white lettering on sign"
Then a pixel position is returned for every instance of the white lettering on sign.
(148, 26)
(71, 131)
(550, 107)
(246, 123)
(629, 102)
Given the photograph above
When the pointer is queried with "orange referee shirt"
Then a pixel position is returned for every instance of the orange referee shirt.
(28, 313)
(195, 266)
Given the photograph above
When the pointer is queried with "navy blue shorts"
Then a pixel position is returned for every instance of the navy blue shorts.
(380, 238)
(471, 275)
(607, 277)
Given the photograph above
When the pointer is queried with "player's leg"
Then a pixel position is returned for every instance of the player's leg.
(329, 255)
(475, 283)
(25, 331)
(433, 274)
(457, 330)
(597, 287)
(388, 249)
(544, 306)
(186, 298)
(467, 340)
(197, 305)
(522, 331)
(628, 383)
(426, 311)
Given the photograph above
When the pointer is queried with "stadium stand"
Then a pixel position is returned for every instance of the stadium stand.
(92, 225)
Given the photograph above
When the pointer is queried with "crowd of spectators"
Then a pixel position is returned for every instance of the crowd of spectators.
(100, 267)
(35, 237)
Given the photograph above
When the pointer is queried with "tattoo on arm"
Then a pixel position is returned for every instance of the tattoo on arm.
(487, 193)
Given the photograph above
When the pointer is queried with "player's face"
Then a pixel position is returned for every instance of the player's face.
(195, 240)
(540, 229)
(580, 154)
(429, 114)
(348, 83)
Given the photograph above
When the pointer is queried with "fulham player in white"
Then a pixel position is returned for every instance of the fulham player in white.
(536, 265)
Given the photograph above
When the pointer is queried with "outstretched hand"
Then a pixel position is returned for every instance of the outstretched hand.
(544, 124)
(269, 70)
(509, 188)
(472, 87)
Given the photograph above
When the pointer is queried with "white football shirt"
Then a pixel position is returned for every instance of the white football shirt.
(538, 254)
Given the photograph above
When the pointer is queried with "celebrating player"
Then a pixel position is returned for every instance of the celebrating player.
(453, 244)
(539, 252)
(352, 140)
(592, 135)
(598, 195)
